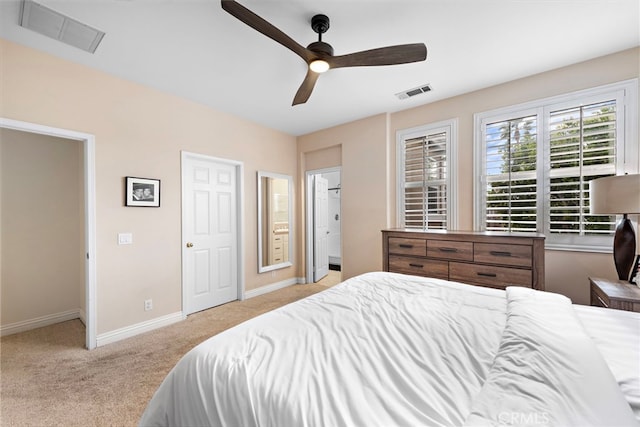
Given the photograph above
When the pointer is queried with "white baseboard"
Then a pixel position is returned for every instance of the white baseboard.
(273, 287)
(138, 328)
(39, 322)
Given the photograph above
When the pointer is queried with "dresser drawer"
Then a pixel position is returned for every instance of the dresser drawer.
(515, 255)
(404, 246)
(448, 249)
(419, 266)
(489, 275)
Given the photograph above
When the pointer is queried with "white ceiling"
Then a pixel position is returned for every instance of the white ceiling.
(194, 49)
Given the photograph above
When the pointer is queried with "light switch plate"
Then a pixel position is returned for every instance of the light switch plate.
(125, 238)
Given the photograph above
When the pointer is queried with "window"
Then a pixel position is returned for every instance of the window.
(510, 158)
(425, 183)
(535, 162)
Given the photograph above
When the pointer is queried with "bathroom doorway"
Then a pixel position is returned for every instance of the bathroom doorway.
(323, 257)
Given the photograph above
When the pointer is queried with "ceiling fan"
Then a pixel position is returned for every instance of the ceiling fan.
(319, 55)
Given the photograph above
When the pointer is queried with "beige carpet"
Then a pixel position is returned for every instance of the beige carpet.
(47, 378)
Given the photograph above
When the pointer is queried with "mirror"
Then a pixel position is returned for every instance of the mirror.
(274, 219)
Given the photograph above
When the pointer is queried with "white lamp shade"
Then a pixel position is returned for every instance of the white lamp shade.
(615, 195)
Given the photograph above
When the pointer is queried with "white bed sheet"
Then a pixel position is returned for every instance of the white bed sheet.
(548, 370)
(381, 349)
(616, 334)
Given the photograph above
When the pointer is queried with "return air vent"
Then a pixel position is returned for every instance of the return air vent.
(405, 94)
(50, 23)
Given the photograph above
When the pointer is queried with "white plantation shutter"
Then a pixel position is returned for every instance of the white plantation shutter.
(582, 142)
(424, 190)
(425, 186)
(535, 162)
(510, 159)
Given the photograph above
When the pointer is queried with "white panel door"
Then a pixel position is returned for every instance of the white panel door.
(210, 239)
(320, 228)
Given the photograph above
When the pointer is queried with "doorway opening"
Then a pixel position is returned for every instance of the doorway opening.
(88, 149)
(323, 218)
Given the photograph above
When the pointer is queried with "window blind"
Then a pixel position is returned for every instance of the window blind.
(510, 161)
(425, 182)
(582, 143)
(535, 162)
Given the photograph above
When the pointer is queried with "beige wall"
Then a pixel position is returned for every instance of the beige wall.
(322, 159)
(140, 131)
(364, 146)
(369, 182)
(42, 226)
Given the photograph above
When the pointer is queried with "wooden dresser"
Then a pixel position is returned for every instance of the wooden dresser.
(487, 259)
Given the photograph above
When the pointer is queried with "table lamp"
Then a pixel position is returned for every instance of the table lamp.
(618, 195)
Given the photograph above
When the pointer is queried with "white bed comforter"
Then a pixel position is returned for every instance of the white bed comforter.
(385, 349)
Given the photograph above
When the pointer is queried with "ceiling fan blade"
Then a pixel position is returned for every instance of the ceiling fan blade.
(304, 92)
(264, 27)
(390, 55)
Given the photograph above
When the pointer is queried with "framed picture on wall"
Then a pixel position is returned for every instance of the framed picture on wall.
(143, 192)
(635, 272)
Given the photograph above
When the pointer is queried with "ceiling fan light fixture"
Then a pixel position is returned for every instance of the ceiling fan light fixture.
(319, 66)
(319, 55)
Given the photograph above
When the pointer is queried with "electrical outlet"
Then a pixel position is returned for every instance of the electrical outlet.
(148, 305)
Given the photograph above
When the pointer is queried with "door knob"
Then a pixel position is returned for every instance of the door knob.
(189, 245)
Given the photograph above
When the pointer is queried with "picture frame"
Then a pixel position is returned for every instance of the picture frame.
(142, 192)
(635, 272)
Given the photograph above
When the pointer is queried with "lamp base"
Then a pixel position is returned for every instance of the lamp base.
(624, 248)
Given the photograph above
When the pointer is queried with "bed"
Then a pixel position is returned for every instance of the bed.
(385, 349)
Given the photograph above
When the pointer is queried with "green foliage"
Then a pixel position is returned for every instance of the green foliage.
(580, 138)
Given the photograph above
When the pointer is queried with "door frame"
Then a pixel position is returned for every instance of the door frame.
(309, 218)
(239, 169)
(88, 144)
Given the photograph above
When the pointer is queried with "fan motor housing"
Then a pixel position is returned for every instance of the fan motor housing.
(321, 47)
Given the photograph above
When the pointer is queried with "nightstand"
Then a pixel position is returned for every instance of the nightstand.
(617, 294)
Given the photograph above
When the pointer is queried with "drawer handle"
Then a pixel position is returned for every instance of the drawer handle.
(448, 249)
(405, 246)
(487, 274)
(500, 253)
(416, 265)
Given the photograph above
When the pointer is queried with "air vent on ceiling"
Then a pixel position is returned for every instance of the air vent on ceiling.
(53, 24)
(405, 94)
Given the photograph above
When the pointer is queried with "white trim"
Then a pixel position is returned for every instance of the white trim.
(308, 233)
(272, 287)
(239, 167)
(39, 322)
(88, 141)
(139, 328)
(450, 127)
